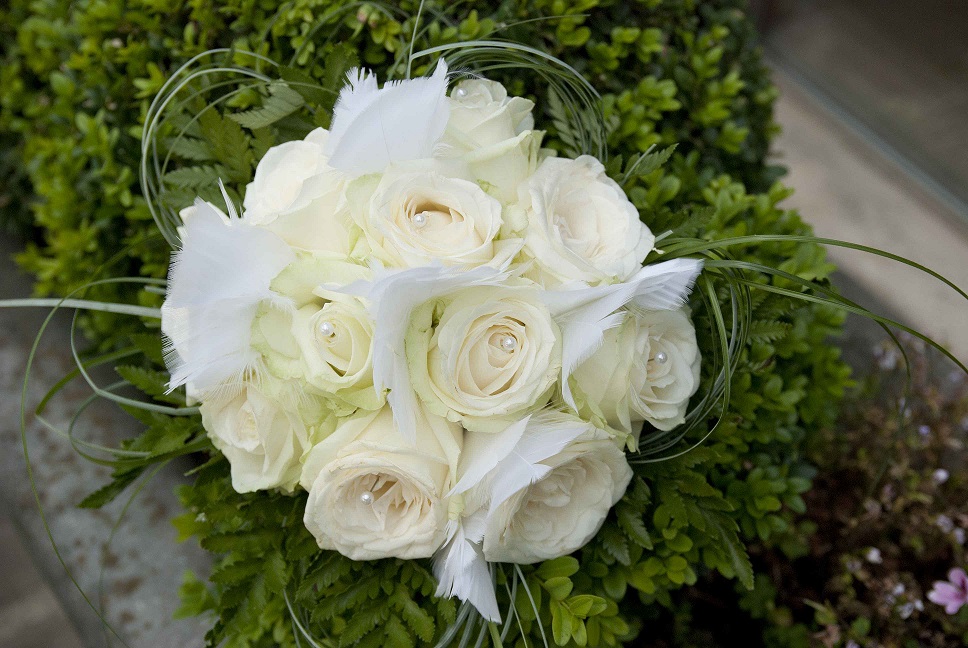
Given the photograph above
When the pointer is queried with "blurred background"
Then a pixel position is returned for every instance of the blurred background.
(874, 111)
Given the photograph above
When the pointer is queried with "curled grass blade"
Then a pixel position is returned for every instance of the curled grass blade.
(302, 631)
(692, 246)
(33, 482)
(110, 541)
(534, 607)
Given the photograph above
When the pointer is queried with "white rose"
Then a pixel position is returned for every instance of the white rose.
(493, 135)
(484, 354)
(581, 226)
(263, 433)
(301, 279)
(420, 218)
(482, 113)
(647, 370)
(562, 511)
(299, 197)
(336, 348)
(503, 167)
(373, 495)
(327, 346)
(283, 177)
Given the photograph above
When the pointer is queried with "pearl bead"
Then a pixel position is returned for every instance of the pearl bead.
(661, 357)
(509, 343)
(367, 497)
(419, 220)
(461, 92)
(326, 329)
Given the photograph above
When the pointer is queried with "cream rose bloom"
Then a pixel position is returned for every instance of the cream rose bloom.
(562, 511)
(326, 345)
(373, 495)
(300, 198)
(484, 114)
(336, 347)
(493, 135)
(483, 355)
(263, 433)
(646, 370)
(424, 217)
(284, 178)
(302, 278)
(581, 226)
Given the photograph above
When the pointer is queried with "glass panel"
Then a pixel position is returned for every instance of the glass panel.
(899, 67)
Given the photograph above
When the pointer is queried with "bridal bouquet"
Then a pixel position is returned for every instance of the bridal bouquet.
(439, 330)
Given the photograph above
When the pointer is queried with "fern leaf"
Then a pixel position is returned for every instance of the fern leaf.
(769, 331)
(645, 163)
(190, 148)
(230, 144)
(280, 102)
(195, 177)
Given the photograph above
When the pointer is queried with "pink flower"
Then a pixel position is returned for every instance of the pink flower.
(952, 594)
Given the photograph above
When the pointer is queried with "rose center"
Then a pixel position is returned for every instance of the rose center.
(247, 436)
(431, 216)
(504, 340)
(386, 501)
(334, 344)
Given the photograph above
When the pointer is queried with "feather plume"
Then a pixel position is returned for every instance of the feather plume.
(501, 465)
(392, 297)
(547, 433)
(373, 128)
(215, 285)
(360, 91)
(585, 313)
(665, 286)
(461, 570)
(482, 453)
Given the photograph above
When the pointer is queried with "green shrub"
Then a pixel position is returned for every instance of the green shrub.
(888, 520)
(74, 85)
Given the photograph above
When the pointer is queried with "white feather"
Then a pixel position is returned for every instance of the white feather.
(482, 452)
(584, 314)
(392, 297)
(547, 434)
(461, 570)
(215, 285)
(501, 464)
(373, 128)
(360, 91)
(665, 286)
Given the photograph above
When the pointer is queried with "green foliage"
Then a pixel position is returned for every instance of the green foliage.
(75, 82)
(280, 102)
(879, 489)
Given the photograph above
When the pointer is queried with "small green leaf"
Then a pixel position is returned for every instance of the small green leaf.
(586, 605)
(560, 624)
(558, 587)
(563, 566)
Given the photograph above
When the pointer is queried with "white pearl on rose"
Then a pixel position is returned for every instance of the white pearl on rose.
(419, 220)
(326, 329)
(661, 357)
(461, 92)
(367, 497)
(509, 343)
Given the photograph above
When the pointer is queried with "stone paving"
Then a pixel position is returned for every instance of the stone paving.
(142, 566)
